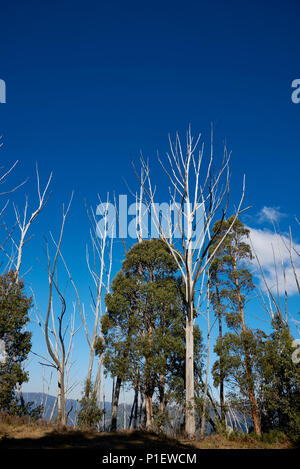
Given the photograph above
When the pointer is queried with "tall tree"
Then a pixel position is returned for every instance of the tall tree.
(237, 283)
(197, 194)
(216, 271)
(14, 307)
(237, 350)
(99, 263)
(54, 329)
(118, 326)
(145, 311)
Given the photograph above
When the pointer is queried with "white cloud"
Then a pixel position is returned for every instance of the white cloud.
(271, 250)
(270, 214)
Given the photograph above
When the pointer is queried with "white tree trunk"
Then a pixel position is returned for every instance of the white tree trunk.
(189, 374)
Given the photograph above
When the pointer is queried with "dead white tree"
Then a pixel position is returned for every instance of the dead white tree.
(53, 326)
(8, 232)
(60, 356)
(196, 198)
(292, 253)
(23, 224)
(4, 176)
(275, 292)
(99, 265)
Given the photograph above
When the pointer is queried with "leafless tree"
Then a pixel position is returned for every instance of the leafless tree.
(8, 233)
(293, 252)
(274, 296)
(16, 235)
(99, 263)
(99, 266)
(25, 222)
(59, 349)
(197, 196)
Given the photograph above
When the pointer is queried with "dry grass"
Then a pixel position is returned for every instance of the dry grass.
(220, 442)
(24, 435)
(23, 431)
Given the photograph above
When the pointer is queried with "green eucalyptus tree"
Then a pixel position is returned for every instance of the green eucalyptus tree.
(280, 406)
(144, 326)
(14, 307)
(233, 283)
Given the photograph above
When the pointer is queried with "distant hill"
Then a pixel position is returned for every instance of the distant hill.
(73, 407)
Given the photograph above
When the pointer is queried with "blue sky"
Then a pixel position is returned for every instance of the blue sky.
(90, 84)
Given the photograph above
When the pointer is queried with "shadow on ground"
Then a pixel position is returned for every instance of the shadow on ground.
(96, 441)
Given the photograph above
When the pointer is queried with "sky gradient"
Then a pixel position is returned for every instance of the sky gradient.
(91, 84)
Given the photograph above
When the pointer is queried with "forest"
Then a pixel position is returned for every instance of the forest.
(171, 324)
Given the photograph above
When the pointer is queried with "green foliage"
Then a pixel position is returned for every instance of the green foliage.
(14, 307)
(247, 359)
(274, 436)
(99, 346)
(89, 414)
(21, 409)
(228, 268)
(252, 436)
(281, 382)
(144, 324)
(220, 427)
(233, 352)
(161, 419)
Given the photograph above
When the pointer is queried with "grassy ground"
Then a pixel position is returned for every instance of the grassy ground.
(239, 442)
(42, 436)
